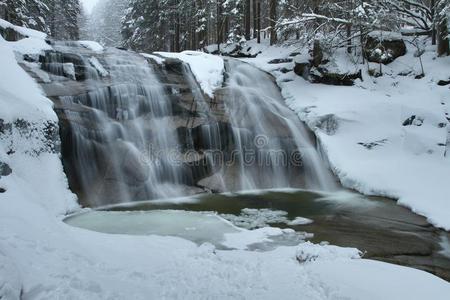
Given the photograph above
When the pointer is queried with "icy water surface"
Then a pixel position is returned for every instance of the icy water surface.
(377, 226)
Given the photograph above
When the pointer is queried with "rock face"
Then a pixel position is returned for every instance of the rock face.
(10, 35)
(384, 47)
(97, 111)
(135, 128)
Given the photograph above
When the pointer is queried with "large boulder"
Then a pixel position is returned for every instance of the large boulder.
(5, 170)
(302, 65)
(384, 46)
(332, 76)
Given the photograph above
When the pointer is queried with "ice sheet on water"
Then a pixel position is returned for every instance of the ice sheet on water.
(198, 227)
(251, 218)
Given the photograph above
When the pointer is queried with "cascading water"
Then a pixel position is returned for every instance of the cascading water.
(124, 119)
(273, 147)
(122, 152)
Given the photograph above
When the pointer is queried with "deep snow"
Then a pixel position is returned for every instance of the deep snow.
(41, 257)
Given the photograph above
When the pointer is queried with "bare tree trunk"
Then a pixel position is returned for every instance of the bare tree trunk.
(219, 24)
(247, 19)
(433, 20)
(177, 33)
(349, 38)
(443, 48)
(226, 28)
(255, 18)
(258, 21)
(273, 21)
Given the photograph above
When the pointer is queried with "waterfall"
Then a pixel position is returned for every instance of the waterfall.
(135, 130)
(122, 131)
(265, 128)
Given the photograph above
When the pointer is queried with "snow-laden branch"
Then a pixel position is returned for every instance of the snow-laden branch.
(312, 17)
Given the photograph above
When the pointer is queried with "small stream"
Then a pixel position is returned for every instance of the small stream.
(376, 226)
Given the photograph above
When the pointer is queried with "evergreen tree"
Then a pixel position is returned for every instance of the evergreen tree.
(28, 13)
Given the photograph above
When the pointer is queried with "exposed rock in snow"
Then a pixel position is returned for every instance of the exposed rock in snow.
(384, 46)
(5, 169)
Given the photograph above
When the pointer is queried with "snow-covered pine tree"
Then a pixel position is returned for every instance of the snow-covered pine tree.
(63, 19)
(27, 13)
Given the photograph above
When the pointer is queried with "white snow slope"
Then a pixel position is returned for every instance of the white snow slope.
(371, 151)
(43, 258)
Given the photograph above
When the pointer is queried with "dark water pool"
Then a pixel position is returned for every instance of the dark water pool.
(377, 226)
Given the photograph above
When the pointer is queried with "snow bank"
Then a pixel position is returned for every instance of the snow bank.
(27, 32)
(207, 69)
(373, 148)
(309, 252)
(20, 96)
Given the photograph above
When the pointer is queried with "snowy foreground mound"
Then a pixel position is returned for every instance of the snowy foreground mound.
(386, 136)
(43, 258)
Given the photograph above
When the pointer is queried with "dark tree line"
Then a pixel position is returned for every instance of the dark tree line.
(175, 25)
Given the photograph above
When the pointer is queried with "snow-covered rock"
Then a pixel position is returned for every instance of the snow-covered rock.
(207, 69)
(384, 46)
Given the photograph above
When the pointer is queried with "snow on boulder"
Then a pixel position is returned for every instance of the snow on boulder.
(207, 69)
(309, 252)
(384, 46)
(14, 33)
(302, 65)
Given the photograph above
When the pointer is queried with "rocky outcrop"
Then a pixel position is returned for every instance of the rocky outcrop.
(316, 68)
(332, 75)
(325, 72)
(235, 50)
(384, 47)
(10, 34)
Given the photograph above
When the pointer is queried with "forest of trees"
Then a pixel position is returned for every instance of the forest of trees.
(176, 25)
(59, 18)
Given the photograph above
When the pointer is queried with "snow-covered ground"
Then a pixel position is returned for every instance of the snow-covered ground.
(41, 257)
(361, 127)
